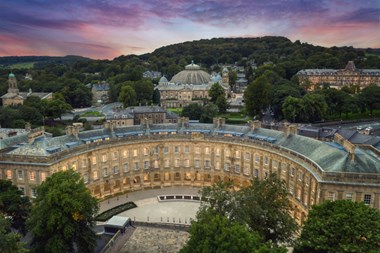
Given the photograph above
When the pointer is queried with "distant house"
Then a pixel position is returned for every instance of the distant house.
(152, 74)
(15, 97)
(99, 92)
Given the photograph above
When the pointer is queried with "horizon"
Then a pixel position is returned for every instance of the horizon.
(108, 29)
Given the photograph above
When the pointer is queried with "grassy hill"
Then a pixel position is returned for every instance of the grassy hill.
(27, 62)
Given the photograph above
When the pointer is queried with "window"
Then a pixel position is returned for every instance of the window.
(104, 158)
(367, 199)
(227, 167)
(197, 163)
(43, 176)
(187, 163)
(291, 189)
(135, 152)
(34, 192)
(266, 174)
(207, 164)
(125, 153)
(146, 151)
(257, 159)
(247, 156)
(94, 160)
(32, 175)
(237, 154)
(237, 168)
(246, 170)
(300, 174)
(22, 189)
(125, 167)
(292, 171)
(84, 163)
(105, 172)
(115, 155)
(217, 152)
(207, 150)
(136, 166)
(176, 149)
(146, 165)
(298, 194)
(227, 153)
(85, 178)
(166, 163)
(20, 175)
(156, 164)
(307, 179)
(9, 174)
(166, 150)
(256, 173)
(197, 150)
(274, 164)
(176, 163)
(95, 175)
(155, 151)
(331, 196)
(266, 160)
(115, 170)
(349, 196)
(187, 149)
(217, 165)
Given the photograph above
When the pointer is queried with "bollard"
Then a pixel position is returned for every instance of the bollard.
(179, 220)
(174, 220)
(185, 221)
(108, 200)
(168, 219)
(161, 219)
(117, 198)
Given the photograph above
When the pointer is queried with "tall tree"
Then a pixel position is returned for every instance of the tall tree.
(9, 241)
(209, 111)
(215, 91)
(257, 96)
(14, 204)
(340, 226)
(127, 96)
(156, 98)
(292, 108)
(222, 104)
(63, 215)
(192, 111)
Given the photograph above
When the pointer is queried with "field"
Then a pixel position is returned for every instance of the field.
(22, 65)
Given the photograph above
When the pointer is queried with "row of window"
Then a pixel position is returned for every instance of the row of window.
(21, 174)
(367, 198)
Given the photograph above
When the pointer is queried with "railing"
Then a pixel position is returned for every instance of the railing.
(109, 245)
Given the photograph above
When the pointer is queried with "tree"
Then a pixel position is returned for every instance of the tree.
(63, 215)
(13, 204)
(264, 207)
(215, 91)
(314, 106)
(127, 96)
(292, 108)
(340, 226)
(371, 97)
(257, 96)
(9, 241)
(216, 233)
(192, 111)
(222, 104)
(209, 111)
(55, 107)
(156, 97)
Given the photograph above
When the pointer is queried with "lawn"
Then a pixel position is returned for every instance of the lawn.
(92, 114)
(358, 115)
(106, 215)
(175, 110)
(22, 65)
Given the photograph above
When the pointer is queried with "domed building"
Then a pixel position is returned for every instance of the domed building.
(189, 86)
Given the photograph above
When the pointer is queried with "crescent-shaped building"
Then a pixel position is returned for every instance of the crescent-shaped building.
(119, 160)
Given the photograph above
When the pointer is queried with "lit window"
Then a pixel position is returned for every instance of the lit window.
(349, 196)
(187, 163)
(125, 153)
(176, 163)
(237, 154)
(32, 175)
(9, 174)
(217, 151)
(207, 150)
(367, 199)
(43, 176)
(156, 164)
(20, 175)
(94, 160)
(95, 175)
(104, 158)
(146, 151)
(227, 153)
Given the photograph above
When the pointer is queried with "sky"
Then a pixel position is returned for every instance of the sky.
(102, 29)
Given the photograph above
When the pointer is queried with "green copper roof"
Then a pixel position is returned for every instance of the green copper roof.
(11, 75)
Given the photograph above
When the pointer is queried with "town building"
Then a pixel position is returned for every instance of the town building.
(152, 74)
(188, 87)
(15, 97)
(99, 92)
(338, 78)
(119, 160)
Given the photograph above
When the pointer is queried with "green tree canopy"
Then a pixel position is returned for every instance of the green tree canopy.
(14, 204)
(340, 226)
(209, 111)
(222, 104)
(63, 215)
(192, 111)
(156, 98)
(215, 91)
(257, 96)
(127, 96)
(9, 241)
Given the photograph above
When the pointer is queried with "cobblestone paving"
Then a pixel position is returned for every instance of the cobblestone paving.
(155, 240)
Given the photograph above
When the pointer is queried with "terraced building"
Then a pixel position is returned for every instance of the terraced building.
(118, 160)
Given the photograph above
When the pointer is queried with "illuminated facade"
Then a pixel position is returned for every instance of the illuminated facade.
(121, 160)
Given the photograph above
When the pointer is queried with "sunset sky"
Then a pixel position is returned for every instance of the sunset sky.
(103, 29)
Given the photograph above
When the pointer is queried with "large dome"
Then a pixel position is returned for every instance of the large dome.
(191, 75)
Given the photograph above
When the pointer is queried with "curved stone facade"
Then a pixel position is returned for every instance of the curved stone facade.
(132, 163)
